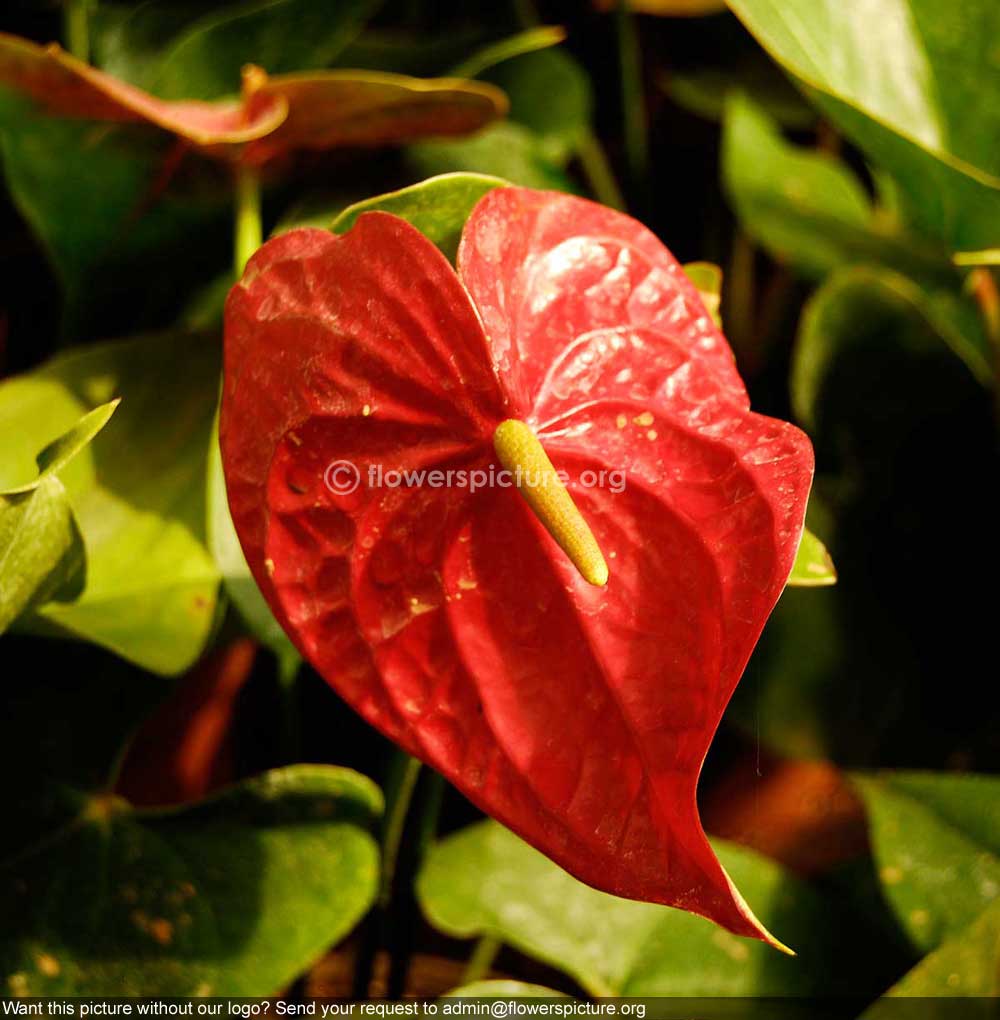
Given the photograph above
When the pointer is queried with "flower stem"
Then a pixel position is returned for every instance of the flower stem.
(402, 785)
(633, 101)
(76, 28)
(401, 782)
(597, 170)
(247, 232)
(481, 960)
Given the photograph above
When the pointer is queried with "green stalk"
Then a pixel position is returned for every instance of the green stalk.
(395, 821)
(247, 231)
(597, 170)
(633, 98)
(481, 960)
(76, 28)
(401, 782)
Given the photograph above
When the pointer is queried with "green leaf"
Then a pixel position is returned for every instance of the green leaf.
(899, 79)
(805, 207)
(707, 277)
(704, 91)
(41, 551)
(504, 990)
(813, 567)
(204, 59)
(506, 150)
(990, 257)
(236, 895)
(879, 315)
(228, 554)
(968, 964)
(549, 94)
(61, 451)
(137, 491)
(937, 875)
(103, 224)
(966, 802)
(485, 881)
(437, 207)
(494, 53)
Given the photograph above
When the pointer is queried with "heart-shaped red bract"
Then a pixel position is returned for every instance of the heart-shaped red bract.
(578, 716)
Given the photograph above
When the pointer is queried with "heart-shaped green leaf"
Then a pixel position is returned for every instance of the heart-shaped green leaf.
(966, 965)
(137, 491)
(939, 865)
(485, 881)
(437, 207)
(899, 79)
(41, 551)
(236, 895)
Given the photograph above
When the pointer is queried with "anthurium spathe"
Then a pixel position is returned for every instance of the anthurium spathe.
(562, 652)
(272, 117)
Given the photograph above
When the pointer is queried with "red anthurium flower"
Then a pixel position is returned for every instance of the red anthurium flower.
(562, 651)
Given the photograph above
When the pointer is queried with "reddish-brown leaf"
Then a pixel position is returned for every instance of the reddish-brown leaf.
(68, 87)
(330, 109)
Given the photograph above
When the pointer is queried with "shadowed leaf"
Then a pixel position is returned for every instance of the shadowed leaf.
(235, 895)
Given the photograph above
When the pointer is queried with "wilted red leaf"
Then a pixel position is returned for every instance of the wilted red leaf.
(68, 87)
(183, 751)
(329, 109)
(314, 110)
(577, 715)
(804, 814)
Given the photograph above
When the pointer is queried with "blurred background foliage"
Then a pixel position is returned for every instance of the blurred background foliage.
(839, 161)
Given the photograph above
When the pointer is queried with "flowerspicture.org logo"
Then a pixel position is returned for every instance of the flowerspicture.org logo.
(342, 477)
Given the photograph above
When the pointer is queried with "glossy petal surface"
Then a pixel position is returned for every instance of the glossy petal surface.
(578, 716)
